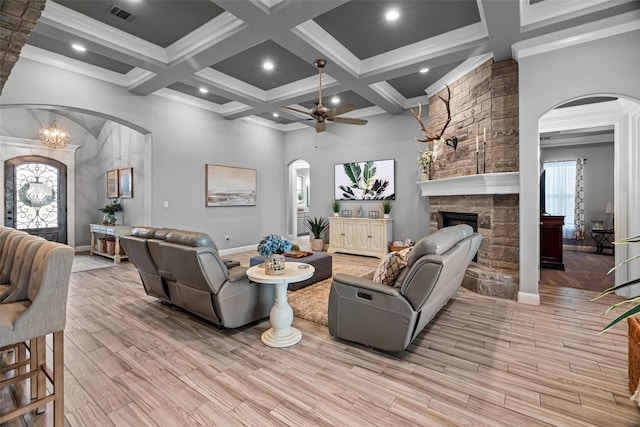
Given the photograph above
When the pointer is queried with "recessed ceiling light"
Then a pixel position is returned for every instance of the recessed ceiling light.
(392, 15)
(335, 100)
(203, 90)
(276, 115)
(267, 65)
(424, 70)
(79, 47)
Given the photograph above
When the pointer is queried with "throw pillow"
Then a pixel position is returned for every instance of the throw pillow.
(391, 266)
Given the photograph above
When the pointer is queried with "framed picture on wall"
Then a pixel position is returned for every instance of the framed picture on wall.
(230, 186)
(112, 184)
(126, 183)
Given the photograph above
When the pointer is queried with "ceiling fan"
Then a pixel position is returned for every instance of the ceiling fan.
(322, 114)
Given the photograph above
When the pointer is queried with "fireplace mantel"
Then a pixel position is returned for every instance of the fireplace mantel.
(485, 183)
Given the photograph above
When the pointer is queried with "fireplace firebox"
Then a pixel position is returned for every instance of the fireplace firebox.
(455, 218)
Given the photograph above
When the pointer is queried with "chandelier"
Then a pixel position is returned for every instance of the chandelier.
(54, 137)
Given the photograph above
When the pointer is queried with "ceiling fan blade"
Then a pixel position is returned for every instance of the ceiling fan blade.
(298, 111)
(321, 127)
(341, 110)
(349, 120)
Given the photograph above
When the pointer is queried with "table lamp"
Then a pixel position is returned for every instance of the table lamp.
(609, 210)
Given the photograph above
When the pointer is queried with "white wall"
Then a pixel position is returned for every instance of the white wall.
(182, 140)
(384, 137)
(603, 67)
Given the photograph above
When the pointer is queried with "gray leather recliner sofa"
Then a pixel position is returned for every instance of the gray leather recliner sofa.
(390, 317)
(184, 268)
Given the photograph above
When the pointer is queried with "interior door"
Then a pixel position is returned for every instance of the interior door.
(36, 196)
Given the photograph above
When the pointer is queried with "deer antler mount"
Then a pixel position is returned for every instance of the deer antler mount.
(431, 136)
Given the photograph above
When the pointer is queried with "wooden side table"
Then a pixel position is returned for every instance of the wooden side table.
(603, 240)
(114, 231)
(281, 334)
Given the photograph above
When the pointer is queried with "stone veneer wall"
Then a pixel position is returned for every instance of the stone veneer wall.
(17, 19)
(485, 98)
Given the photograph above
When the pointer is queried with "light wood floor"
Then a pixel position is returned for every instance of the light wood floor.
(132, 361)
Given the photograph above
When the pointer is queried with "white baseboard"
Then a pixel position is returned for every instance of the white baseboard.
(84, 248)
(527, 298)
(230, 251)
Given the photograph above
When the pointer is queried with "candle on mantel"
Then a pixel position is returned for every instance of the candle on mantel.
(485, 135)
(476, 143)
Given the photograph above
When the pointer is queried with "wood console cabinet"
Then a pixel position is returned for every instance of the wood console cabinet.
(551, 241)
(114, 231)
(360, 236)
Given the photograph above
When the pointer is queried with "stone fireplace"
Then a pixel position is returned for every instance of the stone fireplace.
(484, 105)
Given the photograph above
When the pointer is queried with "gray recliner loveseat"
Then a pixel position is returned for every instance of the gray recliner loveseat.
(390, 317)
(184, 268)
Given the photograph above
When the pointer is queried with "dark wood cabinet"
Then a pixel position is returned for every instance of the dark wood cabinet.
(551, 241)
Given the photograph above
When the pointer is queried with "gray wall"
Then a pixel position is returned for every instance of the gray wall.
(183, 139)
(546, 81)
(384, 137)
(598, 180)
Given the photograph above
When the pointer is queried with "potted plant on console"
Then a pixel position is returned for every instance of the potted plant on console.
(110, 211)
(386, 208)
(335, 206)
(317, 226)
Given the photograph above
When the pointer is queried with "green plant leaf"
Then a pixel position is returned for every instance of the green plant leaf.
(615, 288)
(368, 175)
(623, 263)
(353, 172)
(630, 312)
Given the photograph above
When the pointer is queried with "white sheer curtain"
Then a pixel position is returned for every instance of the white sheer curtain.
(560, 193)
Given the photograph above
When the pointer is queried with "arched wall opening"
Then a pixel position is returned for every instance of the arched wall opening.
(622, 115)
(98, 143)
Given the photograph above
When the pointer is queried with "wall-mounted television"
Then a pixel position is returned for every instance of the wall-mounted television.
(371, 180)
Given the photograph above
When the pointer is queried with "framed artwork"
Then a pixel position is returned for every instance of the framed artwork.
(126, 183)
(112, 184)
(372, 180)
(598, 225)
(230, 186)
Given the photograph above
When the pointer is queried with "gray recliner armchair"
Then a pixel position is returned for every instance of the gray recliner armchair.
(390, 317)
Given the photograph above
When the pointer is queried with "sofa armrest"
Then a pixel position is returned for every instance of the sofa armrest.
(366, 284)
(230, 263)
(237, 273)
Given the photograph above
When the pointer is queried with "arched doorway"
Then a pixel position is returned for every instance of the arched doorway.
(622, 115)
(298, 197)
(36, 196)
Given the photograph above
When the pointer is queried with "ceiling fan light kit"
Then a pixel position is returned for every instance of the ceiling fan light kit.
(322, 114)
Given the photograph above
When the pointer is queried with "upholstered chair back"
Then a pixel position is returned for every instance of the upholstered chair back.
(45, 308)
(21, 269)
(9, 254)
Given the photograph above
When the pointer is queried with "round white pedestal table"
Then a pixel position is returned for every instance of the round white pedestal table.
(281, 334)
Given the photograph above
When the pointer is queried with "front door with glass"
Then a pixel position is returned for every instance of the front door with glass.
(36, 197)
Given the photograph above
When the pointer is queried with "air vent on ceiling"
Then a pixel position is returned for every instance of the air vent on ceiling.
(121, 13)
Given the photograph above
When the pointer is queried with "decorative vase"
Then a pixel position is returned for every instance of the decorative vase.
(274, 264)
(423, 175)
(109, 218)
(386, 216)
(317, 245)
(336, 214)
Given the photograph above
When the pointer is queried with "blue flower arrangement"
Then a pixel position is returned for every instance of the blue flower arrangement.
(273, 244)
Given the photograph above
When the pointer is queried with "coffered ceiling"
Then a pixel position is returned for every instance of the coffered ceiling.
(180, 49)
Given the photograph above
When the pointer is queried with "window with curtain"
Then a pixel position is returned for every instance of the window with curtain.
(560, 195)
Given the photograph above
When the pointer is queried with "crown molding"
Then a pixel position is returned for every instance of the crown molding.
(545, 13)
(585, 33)
(389, 93)
(458, 72)
(421, 51)
(231, 85)
(300, 87)
(97, 32)
(174, 95)
(69, 64)
(207, 35)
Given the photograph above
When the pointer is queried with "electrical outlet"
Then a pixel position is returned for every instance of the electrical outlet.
(166, 204)
(227, 238)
